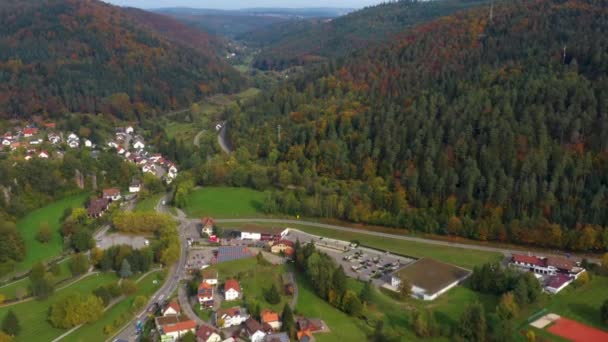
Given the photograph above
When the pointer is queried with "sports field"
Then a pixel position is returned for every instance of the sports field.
(29, 225)
(576, 332)
(224, 202)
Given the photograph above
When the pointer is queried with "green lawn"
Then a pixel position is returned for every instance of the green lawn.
(148, 204)
(343, 327)
(582, 304)
(223, 202)
(93, 332)
(458, 256)
(30, 224)
(9, 291)
(33, 314)
(254, 280)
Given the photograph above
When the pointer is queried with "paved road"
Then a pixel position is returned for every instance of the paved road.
(504, 251)
(221, 139)
(129, 332)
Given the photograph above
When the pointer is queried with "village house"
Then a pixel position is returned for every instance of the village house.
(138, 143)
(284, 246)
(207, 334)
(54, 138)
(205, 294)
(15, 145)
(174, 326)
(30, 132)
(135, 186)
(88, 143)
(6, 142)
(172, 308)
(36, 142)
(73, 136)
(129, 130)
(232, 290)
(73, 143)
(225, 318)
(210, 277)
(43, 155)
(271, 318)
(112, 194)
(207, 224)
(254, 330)
(112, 144)
(308, 326)
(97, 207)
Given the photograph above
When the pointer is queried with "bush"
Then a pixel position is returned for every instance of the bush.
(44, 234)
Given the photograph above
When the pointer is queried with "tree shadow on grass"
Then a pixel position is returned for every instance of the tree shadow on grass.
(257, 205)
(584, 310)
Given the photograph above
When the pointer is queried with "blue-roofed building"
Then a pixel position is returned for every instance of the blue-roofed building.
(230, 253)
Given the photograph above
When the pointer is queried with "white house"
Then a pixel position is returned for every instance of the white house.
(173, 327)
(36, 142)
(210, 277)
(232, 289)
(271, 318)
(121, 150)
(205, 294)
(73, 136)
(172, 308)
(135, 186)
(73, 143)
(254, 330)
(230, 317)
(54, 138)
(43, 154)
(88, 143)
(112, 194)
(129, 130)
(6, 142)
(138, 145)
(113, 144)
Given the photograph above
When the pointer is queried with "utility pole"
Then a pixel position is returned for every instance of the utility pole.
(564, 56)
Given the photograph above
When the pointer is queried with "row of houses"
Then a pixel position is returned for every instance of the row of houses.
(131, 147)
(32, 138)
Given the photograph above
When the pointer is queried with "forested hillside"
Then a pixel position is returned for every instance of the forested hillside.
(488, 129)
(300, 42)
(88, 56)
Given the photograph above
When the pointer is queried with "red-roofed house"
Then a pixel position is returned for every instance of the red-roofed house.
(283, 246)
(225, 318)
(112, 194)
(174, 326)
(207, 334)
(43, 154)
(207, 223)
(271, 318)
(30, 132)
(172, 308)
(50, 125)
(232, 289)
(205, 294)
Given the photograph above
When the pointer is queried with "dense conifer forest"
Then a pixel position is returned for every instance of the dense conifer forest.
(491, 127)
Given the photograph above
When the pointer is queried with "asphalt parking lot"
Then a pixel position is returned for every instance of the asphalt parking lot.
(358, 262)
(108, 240)
(197, 258)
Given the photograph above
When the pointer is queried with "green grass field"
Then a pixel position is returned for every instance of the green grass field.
(223, 202)
(9, 291)
(254, 280)
(94, 331)
(582, 304)
(148, 204)
(343, 327)
(461, 257)
(33, 314)
(29, 225)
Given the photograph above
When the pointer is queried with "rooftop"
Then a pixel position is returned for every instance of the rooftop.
(431, 275)
(269, 316)
(556, 281)
(232, 284)
(175, 323)
(251, 325)
(231, 312)
(229, 253)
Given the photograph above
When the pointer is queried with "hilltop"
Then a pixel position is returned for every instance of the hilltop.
(291, 43)
(87, 56)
